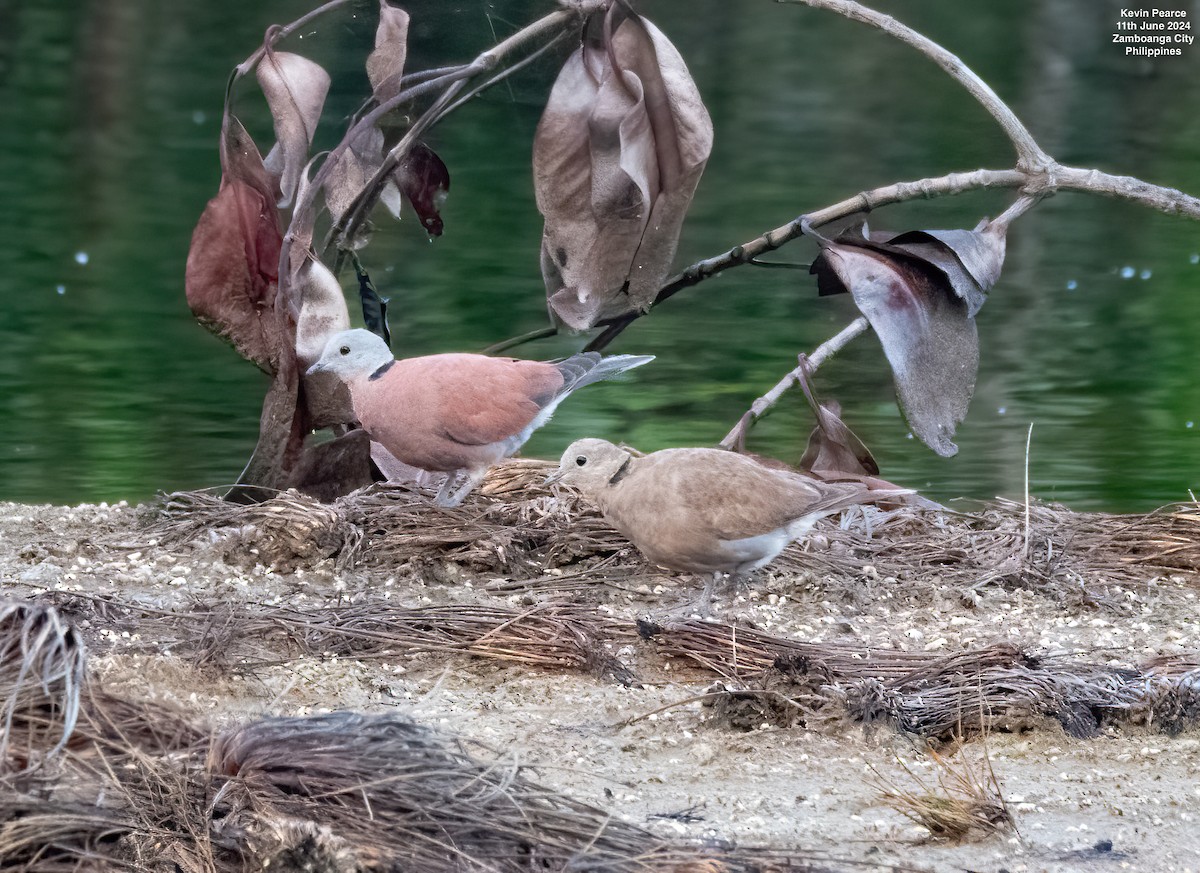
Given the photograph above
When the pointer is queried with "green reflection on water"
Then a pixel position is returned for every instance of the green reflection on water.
(108, 123)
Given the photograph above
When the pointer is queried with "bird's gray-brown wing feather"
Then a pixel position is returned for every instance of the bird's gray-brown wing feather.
(730, 497)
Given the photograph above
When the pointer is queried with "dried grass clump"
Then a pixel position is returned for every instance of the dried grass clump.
(364, 777)
(125, 795)
(1073, 557)
(937, 697)
(140, 787)
(288, 531)
(552, 635)
(521, 537)
(961, 802)
(42, 664)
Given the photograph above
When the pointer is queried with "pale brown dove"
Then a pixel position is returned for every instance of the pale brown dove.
(704, 510)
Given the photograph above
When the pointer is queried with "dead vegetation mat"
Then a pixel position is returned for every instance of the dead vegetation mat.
(519, 528)
(90, 780)
(536, 540)
(93, 781)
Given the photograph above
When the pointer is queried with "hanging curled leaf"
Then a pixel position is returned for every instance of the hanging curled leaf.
(323, 313)
(425, 181)
(319, 305)
(832, 446)
(322, 310)
(295, 89)
(231, 278)
(970, 259)
(385, 65)
(617, 156)
(925, 328)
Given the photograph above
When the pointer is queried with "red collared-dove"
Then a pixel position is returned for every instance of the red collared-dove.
(456, 412)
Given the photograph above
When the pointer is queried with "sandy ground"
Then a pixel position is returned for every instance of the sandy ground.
(1126, 799)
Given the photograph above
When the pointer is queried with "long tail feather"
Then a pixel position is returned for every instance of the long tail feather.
(588, 367)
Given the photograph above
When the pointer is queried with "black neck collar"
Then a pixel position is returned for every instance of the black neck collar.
(378, 373)
(622, 472)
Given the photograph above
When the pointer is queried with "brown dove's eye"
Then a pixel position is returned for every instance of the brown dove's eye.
(345, 350)
(581, 460)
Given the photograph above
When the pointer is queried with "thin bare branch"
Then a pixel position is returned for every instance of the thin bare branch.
(1029, 154)
(1050, 179)
(507, 71)
(276, 33)
(1168, 200)
(356, 214)
(865, 201)
(736, 437)
(505, 345)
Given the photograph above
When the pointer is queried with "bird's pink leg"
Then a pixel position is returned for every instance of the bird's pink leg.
(473, 478)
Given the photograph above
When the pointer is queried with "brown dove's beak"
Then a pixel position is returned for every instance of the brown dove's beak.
(556, 476)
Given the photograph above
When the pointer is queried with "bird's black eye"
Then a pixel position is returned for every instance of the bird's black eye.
(581, 460)
(345, 350)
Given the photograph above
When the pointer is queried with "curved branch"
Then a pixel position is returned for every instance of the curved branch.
(1055, 177)
(865, 201)
(1169, 200)
(276, 33)
(1029, 154)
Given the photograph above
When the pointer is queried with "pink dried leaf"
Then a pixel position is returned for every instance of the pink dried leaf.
(231, 277)
(385, 65)
(295, 89)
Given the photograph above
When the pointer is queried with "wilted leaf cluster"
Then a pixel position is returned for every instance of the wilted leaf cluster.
(278, 303)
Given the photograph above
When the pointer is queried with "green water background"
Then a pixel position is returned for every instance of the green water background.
(109, 116)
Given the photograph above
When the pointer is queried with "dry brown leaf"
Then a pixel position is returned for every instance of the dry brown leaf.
(832, 446)
(385, 65)
(617, 156)
(323, 313)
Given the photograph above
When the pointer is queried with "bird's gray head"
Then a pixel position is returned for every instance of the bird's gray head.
(590, 464)
(352, 353)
